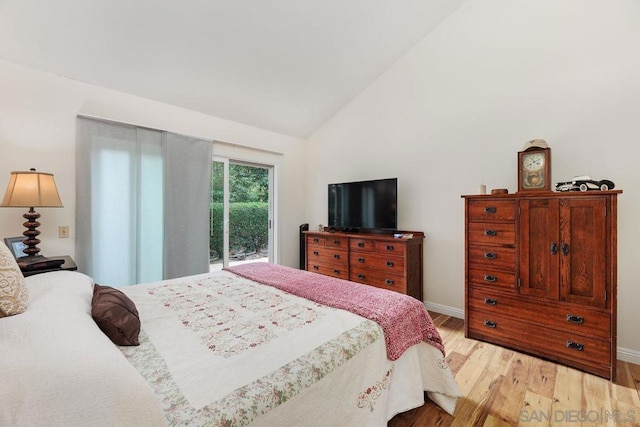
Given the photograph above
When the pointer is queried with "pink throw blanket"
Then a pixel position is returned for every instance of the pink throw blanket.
(403, 319)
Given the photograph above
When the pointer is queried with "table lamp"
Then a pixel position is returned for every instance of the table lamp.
(31, 189)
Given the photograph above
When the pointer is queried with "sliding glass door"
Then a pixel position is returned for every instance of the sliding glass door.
(241, 213)
(219, 214)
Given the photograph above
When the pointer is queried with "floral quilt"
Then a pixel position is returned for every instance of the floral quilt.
(222, 350)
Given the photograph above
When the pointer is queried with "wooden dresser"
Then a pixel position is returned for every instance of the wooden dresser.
(541, 275)
(373, 259)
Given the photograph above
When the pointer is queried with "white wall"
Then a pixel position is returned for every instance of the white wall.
(37, 129)
(456, 109)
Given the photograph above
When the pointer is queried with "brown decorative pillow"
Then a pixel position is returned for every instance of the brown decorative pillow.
(116, 315)
(14, 294)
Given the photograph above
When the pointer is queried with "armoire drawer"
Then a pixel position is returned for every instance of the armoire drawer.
(492, 210)
(491, 277)
(562, 317)
(503, 258)
(546, 342)
(489, 233)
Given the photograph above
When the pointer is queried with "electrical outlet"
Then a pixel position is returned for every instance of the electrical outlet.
(63, 231)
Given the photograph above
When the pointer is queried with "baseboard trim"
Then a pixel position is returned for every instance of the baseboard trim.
(445, 309)
(629, 355)
(624, 354)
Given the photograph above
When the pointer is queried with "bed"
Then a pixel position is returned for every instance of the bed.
(225, 348)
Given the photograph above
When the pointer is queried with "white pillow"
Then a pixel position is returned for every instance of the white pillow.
(14, 294)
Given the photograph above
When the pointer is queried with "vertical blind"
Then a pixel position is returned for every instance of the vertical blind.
(142, 200)
(187, 203)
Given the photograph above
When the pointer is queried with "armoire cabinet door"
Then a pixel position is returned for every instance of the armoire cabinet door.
(539, 248)
(583, 251)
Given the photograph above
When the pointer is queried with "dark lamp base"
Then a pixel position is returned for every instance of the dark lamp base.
(31, 233)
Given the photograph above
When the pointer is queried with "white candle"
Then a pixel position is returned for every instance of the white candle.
(482, 189)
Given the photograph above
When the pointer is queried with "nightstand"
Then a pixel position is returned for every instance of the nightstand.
(69, 265)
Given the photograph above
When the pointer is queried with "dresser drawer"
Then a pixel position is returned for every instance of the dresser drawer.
(562, 317)
(390, 247)
(315, 240)
(356, 244)
(482, 275)
(489, 233)
(492, 210)
(325, 255)
(379, 279)
(503, 258)
(557, 345)
(336, 242)
(376, 261)
(341, 272)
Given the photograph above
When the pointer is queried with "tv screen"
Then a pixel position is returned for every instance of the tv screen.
(364, 205)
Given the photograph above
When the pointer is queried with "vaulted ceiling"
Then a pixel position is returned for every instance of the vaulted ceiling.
(281, 65)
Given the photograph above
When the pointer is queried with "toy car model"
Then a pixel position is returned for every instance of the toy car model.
(585, 183)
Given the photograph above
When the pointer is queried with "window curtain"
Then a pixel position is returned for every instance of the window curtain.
(187, 177)
(128, 226)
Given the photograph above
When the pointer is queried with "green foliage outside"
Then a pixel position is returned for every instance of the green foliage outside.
(248, 208)
(248, 230)
(246, 183)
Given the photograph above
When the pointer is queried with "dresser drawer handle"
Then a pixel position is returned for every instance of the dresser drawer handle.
(490, 209)
(336, 271)
(336, 256)
(490, 255)
(336, 242)
(492, 233)
(575, 319)
(490, 301)
(388, 282)
(490, 324)
(389, 263)
(316, 253)
(361, 244)
(489, 278)
(361, 260)
(315, 240)
(389, 247)
(315, 267)
(575, 346)
(360, 276)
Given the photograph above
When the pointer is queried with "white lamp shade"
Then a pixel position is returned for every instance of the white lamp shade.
(28, 189)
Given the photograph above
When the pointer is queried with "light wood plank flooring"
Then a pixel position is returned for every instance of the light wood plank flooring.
(502, 387)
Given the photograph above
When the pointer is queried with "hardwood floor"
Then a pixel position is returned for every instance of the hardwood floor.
(502, 387)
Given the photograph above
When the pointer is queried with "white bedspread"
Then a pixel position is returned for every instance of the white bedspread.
(219, 349)
(58, 369)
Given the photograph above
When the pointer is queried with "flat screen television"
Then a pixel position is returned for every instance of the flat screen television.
(368, 206)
